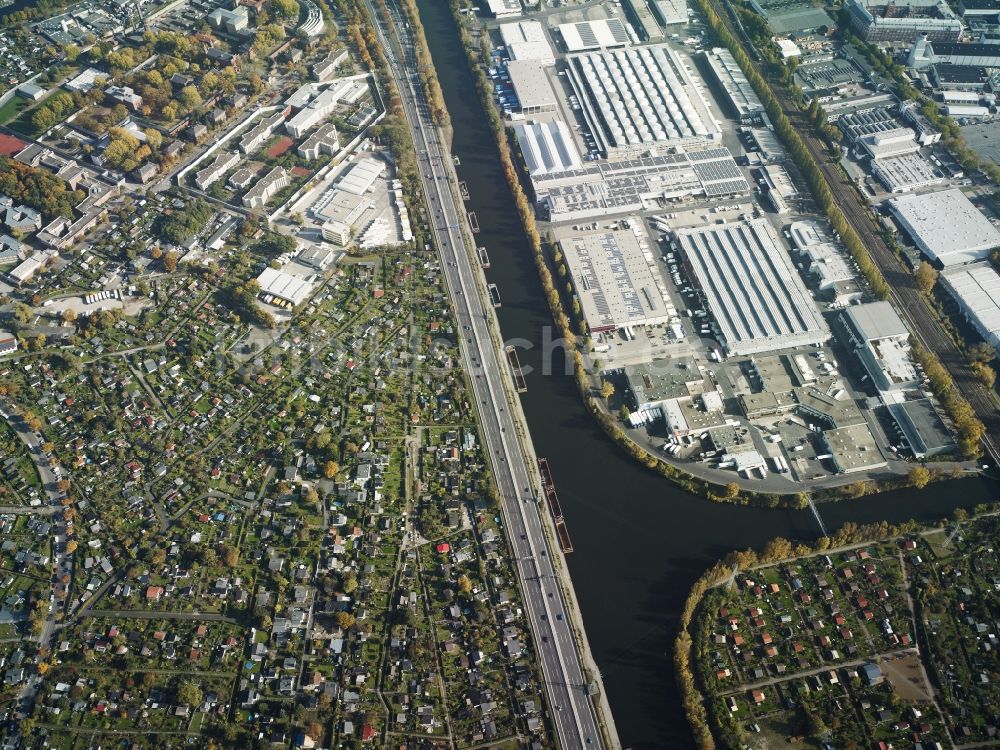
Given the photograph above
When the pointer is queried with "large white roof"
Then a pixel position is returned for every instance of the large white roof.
(977, 288)
(946, 226)
(547, 147)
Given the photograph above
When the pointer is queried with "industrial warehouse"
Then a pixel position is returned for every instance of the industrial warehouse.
(713, 296)
(640, 98)
(752, 289)
(605, 187)
(613, 281)
(976, 289)
(946, 227)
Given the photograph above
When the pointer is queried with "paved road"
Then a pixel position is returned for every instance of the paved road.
(572, 711)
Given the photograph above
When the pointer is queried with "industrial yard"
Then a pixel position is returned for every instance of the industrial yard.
(735, 334)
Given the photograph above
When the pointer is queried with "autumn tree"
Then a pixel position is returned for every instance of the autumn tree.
(926, 276)
(920, 477)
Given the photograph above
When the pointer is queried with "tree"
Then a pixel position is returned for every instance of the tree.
(153, 138)
(71, 546)
(68, 315)
(982, 352)
(189, 97)
(986, 374)
(158, 557)
(331, 469)
(926, 276)
(350, 582)
(345, 620)
(464, 585)
(230, 555)
(920, 477)
(607, 389)
(287, 9)
(732, 490)
(23, 314)
(170, 261)
(189, 693)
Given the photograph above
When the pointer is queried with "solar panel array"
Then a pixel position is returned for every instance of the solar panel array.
(613, 280)
(614, 187)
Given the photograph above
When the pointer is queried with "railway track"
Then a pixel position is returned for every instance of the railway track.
(903, 290)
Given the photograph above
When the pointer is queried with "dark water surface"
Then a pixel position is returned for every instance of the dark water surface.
(639, 542)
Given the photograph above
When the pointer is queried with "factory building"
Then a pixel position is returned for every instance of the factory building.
(924, 53)
(604, 33)
(976, 290)
(824, 262)
(670, 12)
(504, 8)
(946, 226)
(293, 290)
(612, 280)
(526, 40)
(547, 147)
(752, 289)
(921, 426)
(882, 343)
(642, 20)
(739, 93)
(533, 90)
(640, 98)
(901, 21)
(902, 174)
(600, 188)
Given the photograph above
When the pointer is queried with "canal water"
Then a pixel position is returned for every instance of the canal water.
(639, 541)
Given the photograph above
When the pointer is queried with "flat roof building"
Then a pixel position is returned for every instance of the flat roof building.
(640, 98)
(526, 40)
(547, 147)
(739, 93)
(903, 174)
(601, 188)
(946, 226)
(922, 426)
(613, 280)
(882, 342)
(757, 298)
(533, 90)
(976, 289)
(291, 289)
(504, 8)
(853, 448)
(652, 383)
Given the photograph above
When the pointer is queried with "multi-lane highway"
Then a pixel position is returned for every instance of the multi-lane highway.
(571, 709)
